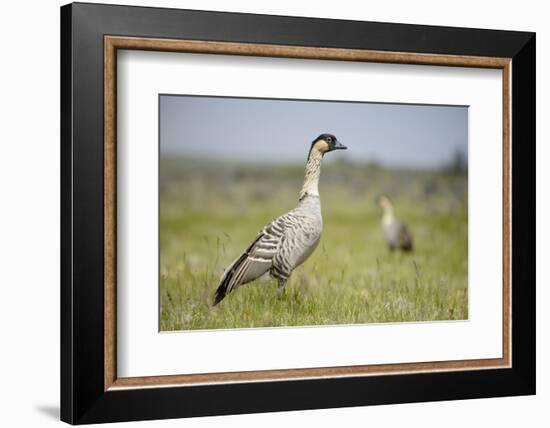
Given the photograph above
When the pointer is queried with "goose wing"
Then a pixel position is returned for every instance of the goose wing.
(405, 237)
(256, 260)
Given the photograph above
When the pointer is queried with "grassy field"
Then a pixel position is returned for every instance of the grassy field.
(210, 212)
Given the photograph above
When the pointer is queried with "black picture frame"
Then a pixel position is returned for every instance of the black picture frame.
(83, 398)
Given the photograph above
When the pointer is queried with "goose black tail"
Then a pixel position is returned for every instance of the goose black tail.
(220, 294)
(226, 279)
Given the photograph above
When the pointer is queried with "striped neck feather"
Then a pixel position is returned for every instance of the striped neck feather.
(313, 171)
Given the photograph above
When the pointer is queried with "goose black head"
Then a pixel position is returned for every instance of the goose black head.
(325, 143)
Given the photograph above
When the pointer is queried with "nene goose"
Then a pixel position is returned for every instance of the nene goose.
(397, 234)
(289, 240)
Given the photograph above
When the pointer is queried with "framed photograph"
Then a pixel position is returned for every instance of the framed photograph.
(265, 213)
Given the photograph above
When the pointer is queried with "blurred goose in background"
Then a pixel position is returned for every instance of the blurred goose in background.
(396, 234)
(289, 240)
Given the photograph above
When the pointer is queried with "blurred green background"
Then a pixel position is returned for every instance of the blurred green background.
(211, 210)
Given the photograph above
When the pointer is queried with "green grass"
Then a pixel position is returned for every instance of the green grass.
(210, 213)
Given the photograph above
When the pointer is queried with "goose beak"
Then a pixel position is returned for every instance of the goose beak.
(339, 146)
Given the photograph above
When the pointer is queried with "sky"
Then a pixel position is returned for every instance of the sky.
(281, 131)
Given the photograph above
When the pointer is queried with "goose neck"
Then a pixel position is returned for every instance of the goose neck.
(313, 171)
(388, 217)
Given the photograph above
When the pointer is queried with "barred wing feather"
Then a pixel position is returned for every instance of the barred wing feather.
(255, 261)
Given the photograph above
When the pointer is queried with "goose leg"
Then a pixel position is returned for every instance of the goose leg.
(281, 286)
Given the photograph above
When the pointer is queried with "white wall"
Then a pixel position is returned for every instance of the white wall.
(29, 230)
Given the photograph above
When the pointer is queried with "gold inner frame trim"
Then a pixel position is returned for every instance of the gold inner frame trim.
(113, 43)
